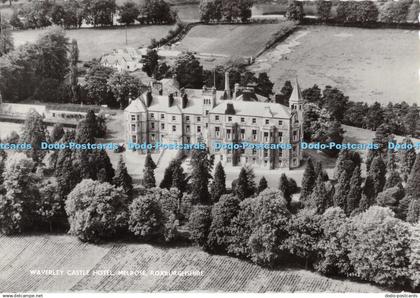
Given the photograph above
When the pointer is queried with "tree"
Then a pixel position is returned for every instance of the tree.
(304, 233)
(6, 38)
(150, 62)
(218, 185)
(188, 71)
(149, 180)
(96, 211)
(199, 224)
(413, 211)
(342, 189)
(18, 204)
(128, 13)
(260, 229)
(323, 9)
(335, 102)
(334, 134)
(124, 87)
(333, 248)
(393, 179)
(412, 120)
(15, 21)
(245, 186)
(168, 174)
(96, 84)
(355, 192)
(378, 173)
(50, 207)
(52, 49)
(179, 178)
(319, 199)
(264, 85)
(413, 182)
(57, 133)
(308, 181)
(407, 157)
(262, 185)
(222, 214)
(57, 14)
(102, 166)
(123, 179)
(380, 248)
(391, 198)
(285, 187)
(74, 59)
(146, 218)
(294, 11)
(34, 132)
(201, 164)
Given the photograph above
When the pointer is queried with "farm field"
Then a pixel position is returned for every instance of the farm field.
(367, 64)
(229, 40)
(93, 43)
(20, 255)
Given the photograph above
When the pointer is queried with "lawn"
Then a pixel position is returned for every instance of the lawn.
(93, 43)
(229, 40)
(82, 263)
(367, 64)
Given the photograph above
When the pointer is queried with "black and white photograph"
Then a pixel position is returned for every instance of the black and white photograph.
(209, 147)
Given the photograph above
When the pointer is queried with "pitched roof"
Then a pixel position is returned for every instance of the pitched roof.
(136, 106)
(296, 93)
(252, 108)
(160, 104)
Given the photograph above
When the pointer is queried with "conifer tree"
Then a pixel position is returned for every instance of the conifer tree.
(262, 184)
(179, 179)
(149, 180)
(245, 186)
(342, 190)
(103, 166)
(167, 180)
(218, 185)
(202, 164)
(368, 195)
(408, 158)
(123, 179)
(393, 179)
(391, 164)
(378, 174)
(413, 182)
(413, 212)
(308, 181)
(355, 192)
(34, 132)
(319, 197)
(284, 186)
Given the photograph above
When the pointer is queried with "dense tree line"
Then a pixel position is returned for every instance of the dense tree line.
(73, 13)
(359, 12)
(229, 11)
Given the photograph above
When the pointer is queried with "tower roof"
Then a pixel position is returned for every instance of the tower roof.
(296, 93)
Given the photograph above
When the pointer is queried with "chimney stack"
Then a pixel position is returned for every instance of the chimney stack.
(227, 84)
(184, 100)
(149, 98)
(170, 100)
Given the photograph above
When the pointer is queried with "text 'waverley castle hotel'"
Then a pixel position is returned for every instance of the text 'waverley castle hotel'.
(167, 114)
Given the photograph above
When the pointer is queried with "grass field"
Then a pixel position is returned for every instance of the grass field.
(93, 43)
(230, 40)
(20, 255)
(367, 64)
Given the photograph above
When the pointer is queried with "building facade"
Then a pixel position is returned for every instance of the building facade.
(189, 116)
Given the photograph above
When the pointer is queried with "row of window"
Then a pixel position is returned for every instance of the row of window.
(198, 119)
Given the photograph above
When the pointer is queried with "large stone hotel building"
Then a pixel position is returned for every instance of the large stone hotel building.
(167, 114)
